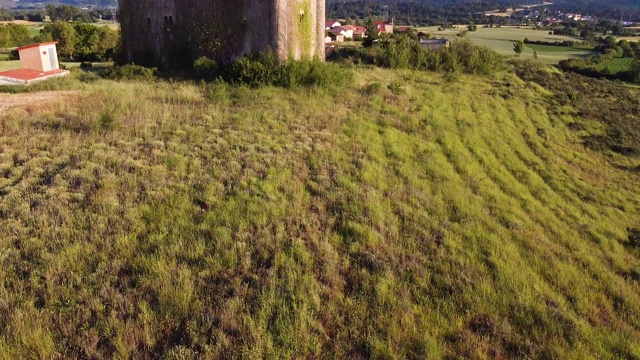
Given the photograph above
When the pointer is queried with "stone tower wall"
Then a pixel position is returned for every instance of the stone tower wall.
(172, 33)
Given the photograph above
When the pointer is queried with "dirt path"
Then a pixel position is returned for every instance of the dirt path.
(8, 101)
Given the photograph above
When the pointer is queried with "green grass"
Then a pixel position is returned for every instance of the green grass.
(9, 65)
(15, 64)
(552, 48)
(501, 40)
(502, 33)
(450, 219)
(616, 65)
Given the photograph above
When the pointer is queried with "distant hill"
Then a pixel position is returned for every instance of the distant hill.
(6, 3)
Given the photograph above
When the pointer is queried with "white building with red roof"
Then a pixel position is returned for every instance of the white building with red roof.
(384, 27)
(330, 24)
(38, 61)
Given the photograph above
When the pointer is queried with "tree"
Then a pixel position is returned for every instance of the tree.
(4, 37)
(12, 35)
(62, 12)
(87, 42)
(472, 26)
(63, 33)
(588, 35)
(518, 47)
(94, 43)
(372, 33)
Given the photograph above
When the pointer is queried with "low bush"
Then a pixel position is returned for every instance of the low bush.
(130, 72)
(88, 76)
(206, 68)
(404, 53)
(266, 69)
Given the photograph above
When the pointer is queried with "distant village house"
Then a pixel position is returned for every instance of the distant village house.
(432, 44)
(336, 32)
(384, 27)
(435, 44)
(328, 25)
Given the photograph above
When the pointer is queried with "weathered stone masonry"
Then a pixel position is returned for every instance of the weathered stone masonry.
(172, 33)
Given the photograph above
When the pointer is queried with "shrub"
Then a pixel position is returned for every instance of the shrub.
(257, 70)
(206, 68)
(267, 70)
(106, 120)
(397, 88)
(372, 89)
(462, 56)
(130, 72)
(88, 76)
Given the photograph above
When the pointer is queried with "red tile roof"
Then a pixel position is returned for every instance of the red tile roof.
(29, 75)
(36, 45)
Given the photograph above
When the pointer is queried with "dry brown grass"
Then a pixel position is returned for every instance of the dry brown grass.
(8, 101)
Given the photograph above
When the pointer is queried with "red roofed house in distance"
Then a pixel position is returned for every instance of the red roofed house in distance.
(39, 62)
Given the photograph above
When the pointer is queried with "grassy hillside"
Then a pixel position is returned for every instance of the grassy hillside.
(402, 217)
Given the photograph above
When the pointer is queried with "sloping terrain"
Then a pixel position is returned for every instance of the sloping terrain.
(8, 101)
(402, 217)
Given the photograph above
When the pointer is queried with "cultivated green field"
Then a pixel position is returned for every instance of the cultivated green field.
(501, 40)
(553, 54)
(403, 216)
(616, 65)
(554, 48)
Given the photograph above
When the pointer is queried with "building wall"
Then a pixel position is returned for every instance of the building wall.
(173, 33)
(31, 59)
(55, 65)
(148, 29)
(44, 58)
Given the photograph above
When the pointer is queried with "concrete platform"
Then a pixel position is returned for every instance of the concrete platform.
(26, 76)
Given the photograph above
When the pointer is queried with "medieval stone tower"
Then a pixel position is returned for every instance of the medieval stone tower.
(172, 33)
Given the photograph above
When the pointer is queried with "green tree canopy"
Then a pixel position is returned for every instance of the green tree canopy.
(63, 33)
(83, 42)
(13, 35)
(62, 12)
(472, 26)
(518, 47)
(94, 43)
(372, 32)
